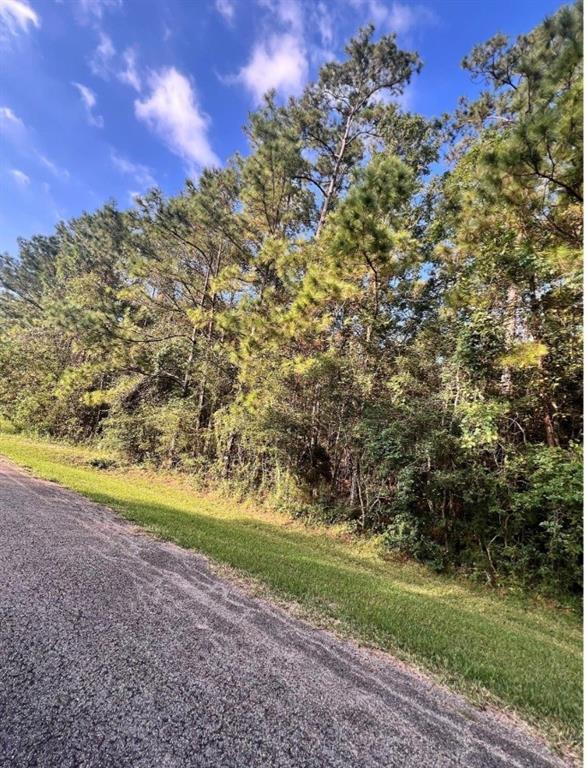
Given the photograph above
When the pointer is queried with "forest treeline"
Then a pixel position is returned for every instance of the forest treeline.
(372, 317)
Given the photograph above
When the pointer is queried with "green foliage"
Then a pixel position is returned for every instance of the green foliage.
(501, 648)
(318, 324)
(549, 499)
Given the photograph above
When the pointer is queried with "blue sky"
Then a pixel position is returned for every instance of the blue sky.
(100, 99)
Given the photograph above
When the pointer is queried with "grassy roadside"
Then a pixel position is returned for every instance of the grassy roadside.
(525, 657)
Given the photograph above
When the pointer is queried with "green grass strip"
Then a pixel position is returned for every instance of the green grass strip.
(526, 657)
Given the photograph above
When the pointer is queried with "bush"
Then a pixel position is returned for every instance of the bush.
(547, 516)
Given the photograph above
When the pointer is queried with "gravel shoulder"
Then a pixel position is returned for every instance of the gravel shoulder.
(117, 649)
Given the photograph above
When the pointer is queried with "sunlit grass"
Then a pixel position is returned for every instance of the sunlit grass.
(525, 656)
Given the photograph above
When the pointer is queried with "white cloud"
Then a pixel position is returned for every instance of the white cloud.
(140, 173)
(88, 96)
(12, 128)
(101, 60)
(10, 121)
(276, 63)
(397, 17)
(288, 12)
(105, 62)
(226, 9)
(325, 25)
(404, 18)
(90, 11)
(89, 100)
(56, 170)
(171, 111)
(20, 177)
(130, 74)
(322, 20)
(17, 15)
(375, 11)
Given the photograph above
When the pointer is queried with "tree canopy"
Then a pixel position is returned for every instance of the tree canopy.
(327, 323)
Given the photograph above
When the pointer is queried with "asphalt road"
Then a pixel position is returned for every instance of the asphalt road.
(119, 650)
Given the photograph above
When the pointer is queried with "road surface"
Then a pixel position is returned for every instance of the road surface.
(120, 650)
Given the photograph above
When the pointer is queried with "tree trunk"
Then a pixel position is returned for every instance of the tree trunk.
(209, 329)
(511, 311)
(551, 437)
(211, 271)
(334, 178)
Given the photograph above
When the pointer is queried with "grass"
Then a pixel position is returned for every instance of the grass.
(512, 652)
